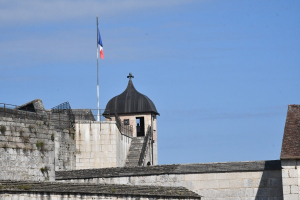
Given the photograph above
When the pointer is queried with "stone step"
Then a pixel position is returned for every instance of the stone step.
(134, 151)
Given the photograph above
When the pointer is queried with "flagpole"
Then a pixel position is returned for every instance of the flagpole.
(98, 116)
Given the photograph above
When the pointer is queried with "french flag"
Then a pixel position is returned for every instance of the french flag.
(101, 45)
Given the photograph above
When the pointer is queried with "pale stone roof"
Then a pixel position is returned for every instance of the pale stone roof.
(104, 189)
(170, 169)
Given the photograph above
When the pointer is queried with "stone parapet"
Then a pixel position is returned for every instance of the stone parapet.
(212, 181)
(171, 169)
(100, 145)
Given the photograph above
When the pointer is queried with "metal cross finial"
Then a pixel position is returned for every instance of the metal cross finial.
(130, 76)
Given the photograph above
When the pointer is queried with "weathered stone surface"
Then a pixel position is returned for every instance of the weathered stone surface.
(65, 157)
(100, 145)
(27, 149)
(105, 189)
(134, 153)
(171, 169)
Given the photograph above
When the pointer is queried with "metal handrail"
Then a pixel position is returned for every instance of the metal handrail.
(65, 108)
(61, 119)
(147, 139)
(124, 129)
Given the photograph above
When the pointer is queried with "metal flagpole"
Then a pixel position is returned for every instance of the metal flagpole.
(98, 116)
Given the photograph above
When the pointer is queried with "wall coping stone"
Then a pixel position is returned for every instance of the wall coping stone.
(104, 189)
(196, 168)
(94, 122)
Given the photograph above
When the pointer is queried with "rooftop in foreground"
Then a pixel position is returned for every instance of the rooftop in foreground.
(170, 169)
(103, 189)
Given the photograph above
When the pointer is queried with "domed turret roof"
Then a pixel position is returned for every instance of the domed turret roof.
(130, 101)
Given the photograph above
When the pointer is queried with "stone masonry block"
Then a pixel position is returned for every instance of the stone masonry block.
(285, 173)
(243, 175)
(293, 173)
(190, 177)
(248, 183)
(291, 197)
(209, 176)
(198, 185)
(249, 192)
(224, 183)
(286, 189)
(237, 193)
(212, 184)
(290, 181)
(124, 180)
(235, 183)
(294, 189)
(221, 176)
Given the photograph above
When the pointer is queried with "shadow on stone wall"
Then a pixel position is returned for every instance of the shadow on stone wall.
(270, 184)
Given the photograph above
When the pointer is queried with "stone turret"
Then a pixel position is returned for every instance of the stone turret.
(134, 109)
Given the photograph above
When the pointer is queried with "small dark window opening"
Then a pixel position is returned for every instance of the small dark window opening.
(126, 121)
(140, 127)
(148, 163)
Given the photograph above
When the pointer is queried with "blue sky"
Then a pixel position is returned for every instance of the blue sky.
(221, 73)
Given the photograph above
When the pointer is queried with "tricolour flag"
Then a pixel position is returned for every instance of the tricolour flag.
(101, 45)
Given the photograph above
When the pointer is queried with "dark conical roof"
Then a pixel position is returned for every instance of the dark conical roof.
(130, 101)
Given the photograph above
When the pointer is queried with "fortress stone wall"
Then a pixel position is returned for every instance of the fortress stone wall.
(291, 178)
(212, 181)
(40, 159)
(100, 145)
(34, 149)
(65, 149)
(27, 150)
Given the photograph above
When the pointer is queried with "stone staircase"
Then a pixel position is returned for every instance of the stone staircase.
(134, 151)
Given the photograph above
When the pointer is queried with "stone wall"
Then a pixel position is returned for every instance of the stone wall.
(212, 181)
(290, 154)
(26, 149)
(149, 120)
(65, 150)
(100, 145)
(122, 147)
(291, 179)
(148, 154)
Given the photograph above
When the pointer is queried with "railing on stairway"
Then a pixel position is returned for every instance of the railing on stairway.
(124, 129)
(147, 140)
